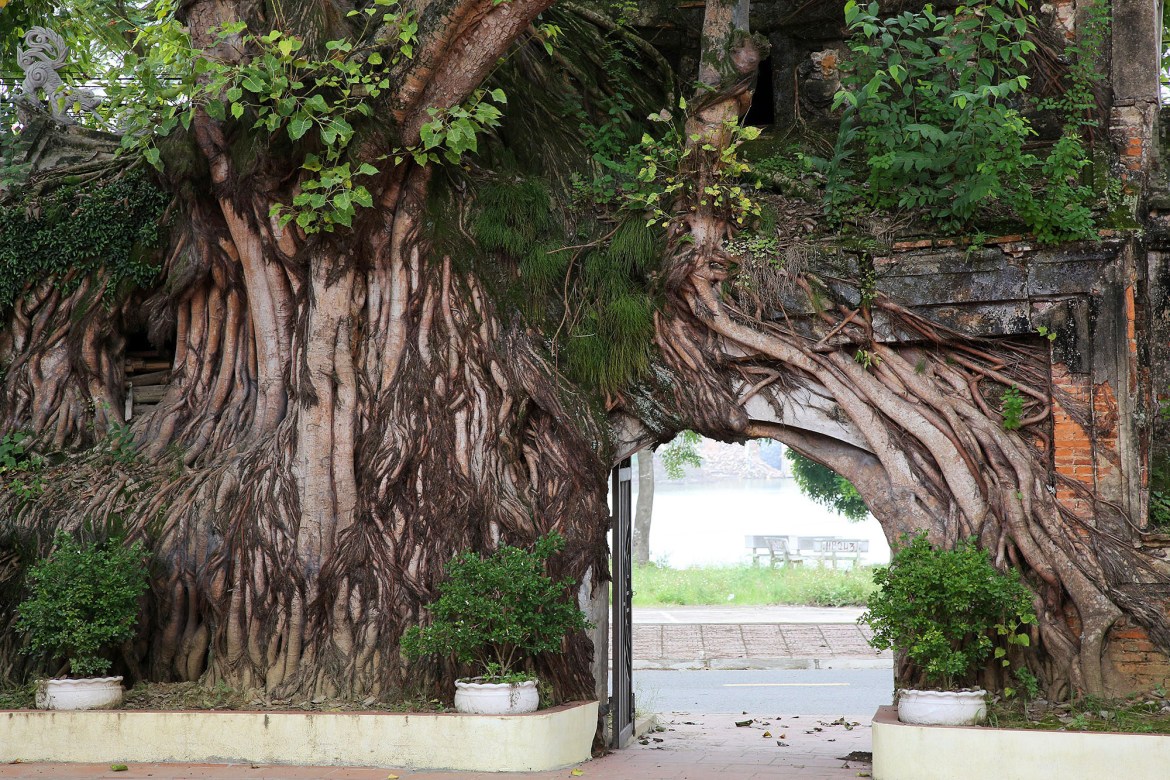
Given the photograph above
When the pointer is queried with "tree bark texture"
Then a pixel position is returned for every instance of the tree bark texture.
(344, 414)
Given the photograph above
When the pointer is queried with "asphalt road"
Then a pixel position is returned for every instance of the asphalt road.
(835, 692)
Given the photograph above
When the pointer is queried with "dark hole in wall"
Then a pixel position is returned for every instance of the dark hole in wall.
(762, 112)
(138, 341)
(148, 360)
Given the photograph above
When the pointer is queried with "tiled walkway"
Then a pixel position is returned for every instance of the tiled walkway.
(698, 747)
(674, 644)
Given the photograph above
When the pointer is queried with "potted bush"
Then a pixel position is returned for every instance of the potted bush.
(949, 611)
(497, 612)
(83, 598)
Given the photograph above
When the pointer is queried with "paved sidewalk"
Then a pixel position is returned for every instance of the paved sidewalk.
(753, 638)
(688, 746)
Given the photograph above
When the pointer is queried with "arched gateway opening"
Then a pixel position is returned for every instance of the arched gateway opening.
(728, 626)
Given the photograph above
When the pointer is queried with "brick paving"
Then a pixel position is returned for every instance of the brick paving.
(698, 747)
(681, 643)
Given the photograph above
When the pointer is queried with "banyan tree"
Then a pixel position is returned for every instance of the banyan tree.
(325, 291)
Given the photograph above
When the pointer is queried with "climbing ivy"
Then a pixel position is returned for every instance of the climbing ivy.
(75, 231)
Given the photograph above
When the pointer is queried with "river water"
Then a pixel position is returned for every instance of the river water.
(706, 524)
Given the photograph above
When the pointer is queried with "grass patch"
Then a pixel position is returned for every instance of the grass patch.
(1137, 714)
(18, 697)
(196, 696)
(752, 585)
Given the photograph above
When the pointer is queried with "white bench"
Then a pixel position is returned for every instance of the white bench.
(831, 548)
(776, 548)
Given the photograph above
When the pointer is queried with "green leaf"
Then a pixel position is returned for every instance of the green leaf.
(237, 110)
(362, 197)
(430, 135)
(316, 104)
(298, 126)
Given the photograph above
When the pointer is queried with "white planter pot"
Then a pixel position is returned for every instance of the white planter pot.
(90, 693)
(942, 708)
(476, 698)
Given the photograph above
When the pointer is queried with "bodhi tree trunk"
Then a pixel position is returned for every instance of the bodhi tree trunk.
(346, 410)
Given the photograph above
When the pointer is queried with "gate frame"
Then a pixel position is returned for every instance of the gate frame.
(621, 700)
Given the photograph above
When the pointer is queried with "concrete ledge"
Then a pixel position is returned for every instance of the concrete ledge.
(548, 739)
(905, 752)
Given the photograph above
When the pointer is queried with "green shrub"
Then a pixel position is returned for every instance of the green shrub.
(495, 611)
(83, 598)
(949, 610)
(932, 121)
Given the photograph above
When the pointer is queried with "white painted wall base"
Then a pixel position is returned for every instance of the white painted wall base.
(549, 739)
(905, 752)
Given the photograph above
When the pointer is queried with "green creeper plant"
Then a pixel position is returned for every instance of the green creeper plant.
(19, 467)
(658, 172)
(950, 611)
(1012, 408)
(82, 599)
(112, 225)
(496, 610)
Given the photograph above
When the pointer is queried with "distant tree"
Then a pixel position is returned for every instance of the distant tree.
(683, 451)
(827, 487)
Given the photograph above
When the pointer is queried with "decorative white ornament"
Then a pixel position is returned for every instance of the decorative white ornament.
(43, 54)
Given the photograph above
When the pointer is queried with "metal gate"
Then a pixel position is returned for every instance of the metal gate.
(621, 699)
